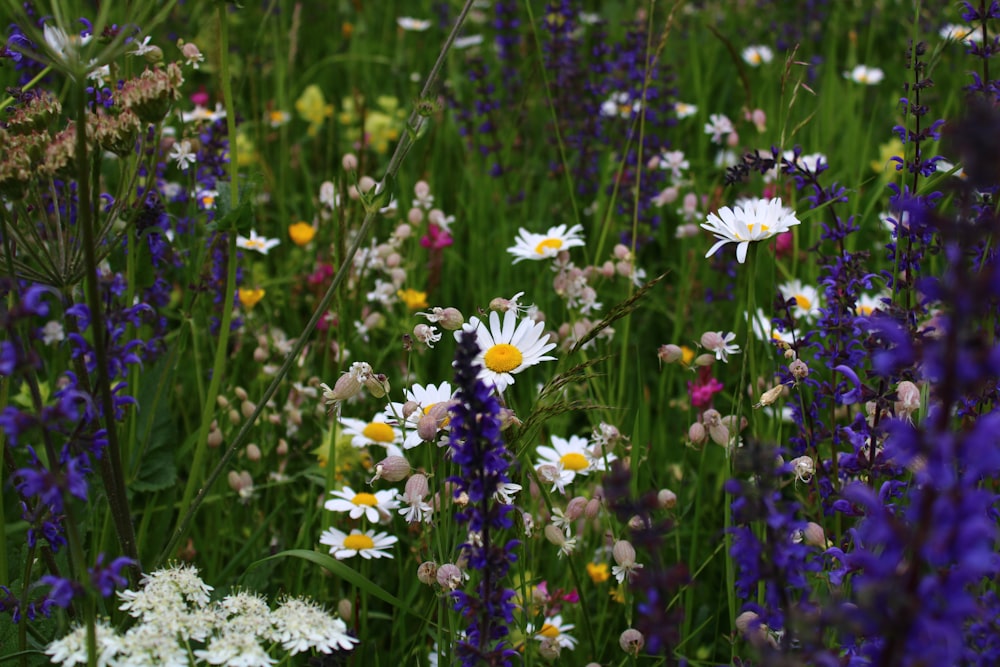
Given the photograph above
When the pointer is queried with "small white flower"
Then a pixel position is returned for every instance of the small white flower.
(72, 648)
(235, 649)
(206, 199)
(620, 105)
(53, 332)
(863, 74)
(505, 493)
(257, 243)
(468, 41)
(301, 625)
(529, 245)
(684, 110)
(555, 628)
(718, 126)
(413, 25)
(141, 48)
(200, 113)
(675, 162)
(757, 55)
(182, 154)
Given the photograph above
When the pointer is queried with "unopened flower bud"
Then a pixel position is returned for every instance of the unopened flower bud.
(260, 354)
(366, 183)
(349, 162)
(814, 535)
(909, 399)
(427, 428)
(377, 385)
(575, 507)
(214, 437)
(799, 369)
(451, 319)
(593, 508)
(638, 523)
(666, 498)
(712, 340)
(253, 452)
(508, 419)
(671, 353)
(550, 648)
(697, 433)
(555, 535)
(416, 488)
(409, 408)
(392, 469)
(247, 408)
(282, 449)
(427, 572)
(705, 359)
(347, 386)
(449, 576)
(345, 609)
(632, 641)
(234, 417)
(803, 467)
(770, 396)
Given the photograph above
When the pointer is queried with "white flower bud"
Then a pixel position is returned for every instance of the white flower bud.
(631, 641)
(391, 469)
(624, 553)
(427, 572)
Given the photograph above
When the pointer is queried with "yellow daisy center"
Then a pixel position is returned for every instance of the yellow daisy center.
(503, 358)
(574, 461)
(549, 630)
(365, 499)
(687, 355)
(379, 432)
(358, 542)
(803, 302)
(763, 228)
(864, 310)
(547, 244)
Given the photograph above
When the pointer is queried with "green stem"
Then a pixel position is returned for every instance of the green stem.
(414, 123)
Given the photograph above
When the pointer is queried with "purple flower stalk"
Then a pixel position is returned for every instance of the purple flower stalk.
(477, 448)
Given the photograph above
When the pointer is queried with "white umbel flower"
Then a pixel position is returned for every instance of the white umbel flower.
(301, 625)
(529, 245)
(507, 348)
(757, 220)
(72, 649)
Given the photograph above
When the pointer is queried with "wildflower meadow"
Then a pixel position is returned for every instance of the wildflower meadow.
(489, 332)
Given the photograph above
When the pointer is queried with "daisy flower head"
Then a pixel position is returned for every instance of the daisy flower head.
(506, 348)
(256, 242)
(529, 245)
(368, 544)
(422, 398)
(555, 628)
(806, 298)
(757, 55)
(756, 220)
(868, 304)
(685, 110)
(376, 507)
(376, 432)
(571, 457)
(869, 76)
(413, 24)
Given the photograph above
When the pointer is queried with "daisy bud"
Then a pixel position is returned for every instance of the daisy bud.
(696, 433)
(814, 535)
(770, 396)
(391, 469)
(449, 576)
(427, 428)
(593, 508)
(550, 648)
(345, 609)
(427, 573)
(799, 369)
(377, 385)
(666, 498)
(253, 452)
(575, 507)
(669, 354)
(349, 162)
(631, 641)
(451, 319)
(624, 553)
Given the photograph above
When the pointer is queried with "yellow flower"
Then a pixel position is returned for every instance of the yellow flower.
(599, 572)
(380, 129)
(312, 107)
(277, 118)
(413, 299)
(301, 233)
(887, 151)
(687, 355)
(617, 594)
(250, 297)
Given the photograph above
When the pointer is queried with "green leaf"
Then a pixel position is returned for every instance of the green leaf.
(153, 464)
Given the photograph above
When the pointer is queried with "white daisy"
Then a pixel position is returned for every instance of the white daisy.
(684, 110)
(529, 245)
(806, 298)
(765, 331)
(757, 55)
(867, 304)
(555, 628)
(757, 220)
(368, 544)
(376, 432)
(411, 24)
(261, 244)
(507, 348)
(376, 507)
(573, 457)
(869, 76)
(200, 113)
(426, 397)
(620, 104)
